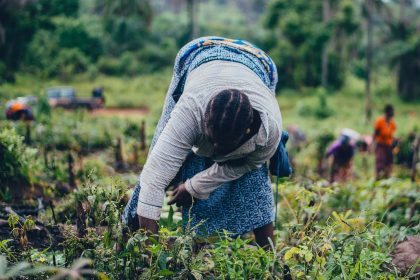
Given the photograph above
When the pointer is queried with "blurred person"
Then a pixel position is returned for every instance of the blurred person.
(297, 142)
(220, 124)
(19, 110)
(404, 151)
(383, 136)
(297, 136)
(342, 151)
(363, 145)
(98, 93)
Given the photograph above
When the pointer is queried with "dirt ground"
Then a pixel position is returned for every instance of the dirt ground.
(407, 254)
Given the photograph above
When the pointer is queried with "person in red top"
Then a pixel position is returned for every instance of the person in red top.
(384, 137)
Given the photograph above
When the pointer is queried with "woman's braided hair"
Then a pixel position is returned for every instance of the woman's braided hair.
(228, 116)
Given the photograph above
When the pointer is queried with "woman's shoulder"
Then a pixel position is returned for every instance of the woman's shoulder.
(269, 133)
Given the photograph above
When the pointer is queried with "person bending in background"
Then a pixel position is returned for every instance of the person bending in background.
(298, 142)
(17, 110)
(383, 136)
(342, 151)
(220, 124)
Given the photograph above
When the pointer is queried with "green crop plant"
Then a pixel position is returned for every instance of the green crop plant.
(20, 231)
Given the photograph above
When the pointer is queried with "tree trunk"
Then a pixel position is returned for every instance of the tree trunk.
(324, 66)
(28, 138)
(402, 11)
(119, 159)
(369, 46)
(143, 136)
(71, 173)
(80, 219)
(415, 158)
(192, 13)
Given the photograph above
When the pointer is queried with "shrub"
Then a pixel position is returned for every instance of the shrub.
(72, 34)
(92, 72)
(132, 130)
(153, 57)
(69, 62)
(129, 64)
(109, 66)
(17, 162)
(65, 49)
(323, 111)
(320, 111)
(43, 109)
(41, 53)
(93, 169)
(359, 69)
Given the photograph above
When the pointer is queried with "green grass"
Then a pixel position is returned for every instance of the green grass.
(146, 90)
(149, 91)
(348, 105)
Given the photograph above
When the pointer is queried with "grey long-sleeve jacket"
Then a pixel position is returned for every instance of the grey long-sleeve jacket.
(184, 133)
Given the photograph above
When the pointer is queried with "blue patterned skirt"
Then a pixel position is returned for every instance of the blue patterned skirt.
(239, 206)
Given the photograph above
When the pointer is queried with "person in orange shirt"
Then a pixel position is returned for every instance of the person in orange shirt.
(384, 137)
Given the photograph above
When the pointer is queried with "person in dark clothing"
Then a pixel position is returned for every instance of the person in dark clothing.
(98, 93)
(342, 151)
(17, 110)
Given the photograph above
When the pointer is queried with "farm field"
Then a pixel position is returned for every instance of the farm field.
(83, 86)
(72, 181)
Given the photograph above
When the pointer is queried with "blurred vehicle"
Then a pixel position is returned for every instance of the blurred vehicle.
(66, 97)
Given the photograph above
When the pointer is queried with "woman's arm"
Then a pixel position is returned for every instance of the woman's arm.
(205, 182)
(165, 160)
(332, 149)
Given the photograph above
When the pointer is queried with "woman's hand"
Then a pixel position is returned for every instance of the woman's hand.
(181, 197)
(148, 225)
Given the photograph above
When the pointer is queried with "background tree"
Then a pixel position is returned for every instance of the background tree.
(367, 12)
(18, 23)
(404, 49)
(192, 13)
(302, 31)
(125, 23)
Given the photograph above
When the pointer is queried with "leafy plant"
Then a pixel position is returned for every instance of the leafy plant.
(17, 162)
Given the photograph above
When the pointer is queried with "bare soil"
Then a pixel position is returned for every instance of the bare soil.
(407, 254)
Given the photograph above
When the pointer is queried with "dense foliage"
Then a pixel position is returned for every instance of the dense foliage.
(332, 237)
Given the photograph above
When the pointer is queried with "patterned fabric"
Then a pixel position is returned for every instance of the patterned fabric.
(383, 157)
(239, 206)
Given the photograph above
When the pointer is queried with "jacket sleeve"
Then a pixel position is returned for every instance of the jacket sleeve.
(166, 158)
(205, 182)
